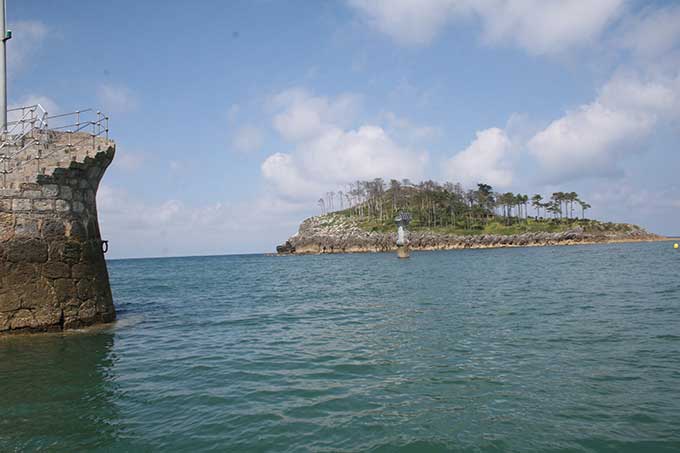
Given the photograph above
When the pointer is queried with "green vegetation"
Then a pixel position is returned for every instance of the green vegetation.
(448, 208)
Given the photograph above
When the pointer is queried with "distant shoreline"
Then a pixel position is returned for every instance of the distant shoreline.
(332, 234)
(475, 246)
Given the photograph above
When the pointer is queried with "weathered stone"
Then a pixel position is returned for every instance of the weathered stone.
(27, 251)
(21, 204)
(53, 229)
(71, 308)
(43, 205)
(50, 190)
(6, 226)
(66, 193)
(5, 321)
(22, 319)
(79, 271)
(56, 270)
(9, 301)
(92, 251)
(47, 316)
(63, 206)
(37, 295)
(85, 289)
(78, 206)
(76, 230)
(65, 289)
(71, 253)
(52, 272)
(56, 250)
(26, 227)
(93, 173)
(87, 312)
(32, 193)
(17, 274)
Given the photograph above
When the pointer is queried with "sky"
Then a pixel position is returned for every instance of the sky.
(232, 119)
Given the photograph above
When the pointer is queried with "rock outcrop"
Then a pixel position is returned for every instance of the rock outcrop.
(337, 234)
(53, 274)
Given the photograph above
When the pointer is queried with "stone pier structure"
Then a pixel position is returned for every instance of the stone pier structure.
(53, 275)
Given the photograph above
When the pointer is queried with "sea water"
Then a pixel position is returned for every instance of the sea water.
(526, 349)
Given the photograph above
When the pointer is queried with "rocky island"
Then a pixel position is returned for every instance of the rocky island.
(447, 218)
(335, 234)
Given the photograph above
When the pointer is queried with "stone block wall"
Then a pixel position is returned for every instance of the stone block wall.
(53, 275)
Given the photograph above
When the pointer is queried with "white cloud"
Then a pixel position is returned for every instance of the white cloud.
(653, 33)
(487, 160)
(545, 26)
(281, 169)
(116, 98)
(247, 138)
(538, 26)
(327, 152)
(590, 140)
(303, 116)
(412, 132)
(129, 161)
(655, 208)
(625, 195)
(408, 21)
(29, 35)
(658, 95)
(171, 227)
(363, 153)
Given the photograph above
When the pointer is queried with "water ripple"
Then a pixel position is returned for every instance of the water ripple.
(538, 349)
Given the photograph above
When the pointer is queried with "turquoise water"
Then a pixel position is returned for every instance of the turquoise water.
(536, 349)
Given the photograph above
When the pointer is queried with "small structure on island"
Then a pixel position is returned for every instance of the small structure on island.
(53, 275)
(402, 220)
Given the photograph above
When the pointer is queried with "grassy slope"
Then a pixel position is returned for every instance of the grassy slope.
(497, 226)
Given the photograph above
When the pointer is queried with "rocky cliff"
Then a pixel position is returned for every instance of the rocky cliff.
(338, 234)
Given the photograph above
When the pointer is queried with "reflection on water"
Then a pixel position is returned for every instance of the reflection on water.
(57, 392)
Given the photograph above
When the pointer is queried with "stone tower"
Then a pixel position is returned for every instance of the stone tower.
(53, 275)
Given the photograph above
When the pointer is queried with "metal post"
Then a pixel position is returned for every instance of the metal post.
(3, 70)
(4, 170)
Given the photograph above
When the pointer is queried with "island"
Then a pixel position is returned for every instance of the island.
(448, 217)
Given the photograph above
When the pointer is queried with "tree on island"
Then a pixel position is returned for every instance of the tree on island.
(447, 205)
(536, 203)
(584, 207)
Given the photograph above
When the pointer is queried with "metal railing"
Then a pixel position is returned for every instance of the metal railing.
(21, 131)
(33, 135)
(78, 121)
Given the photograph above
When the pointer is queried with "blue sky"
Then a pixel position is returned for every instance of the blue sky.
(233, 118)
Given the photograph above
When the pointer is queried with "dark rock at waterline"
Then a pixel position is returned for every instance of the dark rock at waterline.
(285, 249)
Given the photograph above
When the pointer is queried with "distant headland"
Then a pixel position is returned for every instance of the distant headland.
(447, 217)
